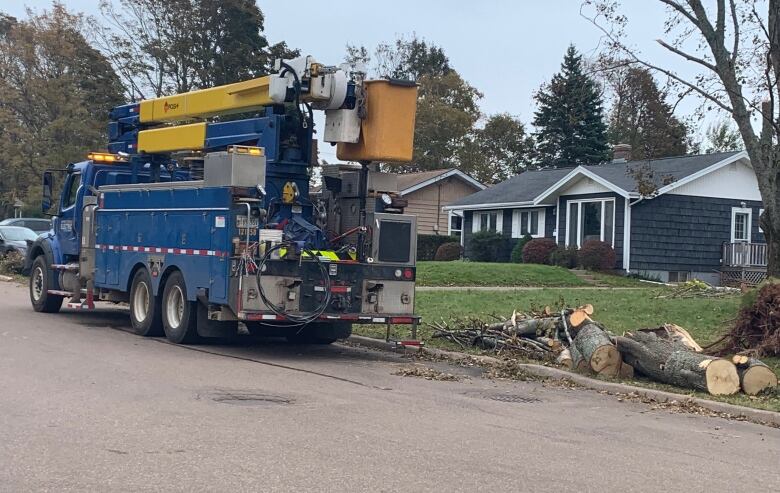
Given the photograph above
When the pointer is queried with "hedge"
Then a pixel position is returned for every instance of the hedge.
(428, 244)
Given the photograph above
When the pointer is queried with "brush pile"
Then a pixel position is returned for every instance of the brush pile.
(757, 329)
(666, 354)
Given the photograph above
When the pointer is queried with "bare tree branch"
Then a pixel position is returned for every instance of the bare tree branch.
(735, 22)
(687, 56)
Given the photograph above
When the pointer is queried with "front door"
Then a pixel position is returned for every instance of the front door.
(69, 220)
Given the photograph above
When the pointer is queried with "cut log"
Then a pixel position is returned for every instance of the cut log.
(564, 358)
(588, 309)
(597, 350)
(553, 344)
(577, 318)
(675, 333)
(672, 362)
(754, 375)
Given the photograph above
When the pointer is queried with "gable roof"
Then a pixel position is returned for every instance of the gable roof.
(409, 182)
(532, 187)
(519, 190)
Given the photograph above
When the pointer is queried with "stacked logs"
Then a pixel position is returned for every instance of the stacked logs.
(667, 354)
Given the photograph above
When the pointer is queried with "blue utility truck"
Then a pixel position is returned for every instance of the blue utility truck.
(200, 216)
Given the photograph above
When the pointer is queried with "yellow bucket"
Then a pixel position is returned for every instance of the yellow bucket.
(387, 133)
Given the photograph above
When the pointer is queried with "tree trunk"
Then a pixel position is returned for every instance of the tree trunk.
(670, 362)
(597, 350)
(754, 375)
(772, 236)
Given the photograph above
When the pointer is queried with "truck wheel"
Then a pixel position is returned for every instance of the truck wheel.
(40, 283)
(145, 312)
(179, 315)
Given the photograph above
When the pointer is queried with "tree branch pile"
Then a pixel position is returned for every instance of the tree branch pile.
(666, 354)
(757, 329)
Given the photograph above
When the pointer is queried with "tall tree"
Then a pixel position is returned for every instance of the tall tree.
(735, 46)
(447, 108)
(55, 93)
(640, 115)
(179, 45)
(722, 137)
(502, 149)
(570, 121)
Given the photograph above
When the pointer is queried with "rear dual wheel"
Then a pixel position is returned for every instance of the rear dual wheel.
(179, 316)
(145, 312)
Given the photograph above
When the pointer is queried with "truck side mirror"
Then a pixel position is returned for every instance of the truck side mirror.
(48, 185)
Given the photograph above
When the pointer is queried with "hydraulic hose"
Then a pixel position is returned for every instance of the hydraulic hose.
(300, 318)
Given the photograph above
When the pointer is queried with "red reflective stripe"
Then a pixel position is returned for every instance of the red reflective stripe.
(401, 320)
(340, 289)
(175, 251)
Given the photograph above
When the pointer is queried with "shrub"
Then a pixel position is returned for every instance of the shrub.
(12, 263)
(517, 251)
(538, 251)
(428, 244)
(597, 255)
(485, 246)
(448, 252)
(565, 257)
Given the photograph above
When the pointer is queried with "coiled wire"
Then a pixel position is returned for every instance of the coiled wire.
(300, 318)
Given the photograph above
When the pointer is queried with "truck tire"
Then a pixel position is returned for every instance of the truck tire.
(145, 311)
(179, 316)
(322, 333)
(41, 281)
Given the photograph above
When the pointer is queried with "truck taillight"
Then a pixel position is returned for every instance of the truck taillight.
(408, 273)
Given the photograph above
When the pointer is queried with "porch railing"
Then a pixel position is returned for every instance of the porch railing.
(744, 255)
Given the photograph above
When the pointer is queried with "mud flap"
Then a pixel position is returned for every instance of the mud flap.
(214, 328)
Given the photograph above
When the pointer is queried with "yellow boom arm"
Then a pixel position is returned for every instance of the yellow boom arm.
(222, 100)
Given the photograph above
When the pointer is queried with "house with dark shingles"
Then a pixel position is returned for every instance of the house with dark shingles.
(702, 221)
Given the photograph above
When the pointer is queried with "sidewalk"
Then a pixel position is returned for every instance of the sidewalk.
(517, 288)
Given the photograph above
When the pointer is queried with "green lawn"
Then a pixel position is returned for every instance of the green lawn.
(618, 281)
(493, 274)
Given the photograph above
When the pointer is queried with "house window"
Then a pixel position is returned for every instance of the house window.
(678, 276)
(590, 220)
(741, 220)
(456, 223)
(528, 222)
(487, 221)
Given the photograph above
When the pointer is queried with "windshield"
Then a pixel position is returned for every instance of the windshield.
(18, 234)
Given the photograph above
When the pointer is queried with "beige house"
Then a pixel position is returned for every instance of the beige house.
(428, 191)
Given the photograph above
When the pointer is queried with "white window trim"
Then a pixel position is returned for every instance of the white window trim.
(516, 226)
(760, 229)
(748, 226)
(450, 214)
(476, 220)
(579, 203)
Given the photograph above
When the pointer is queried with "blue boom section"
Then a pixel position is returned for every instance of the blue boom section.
(185, 229)
(287, 146)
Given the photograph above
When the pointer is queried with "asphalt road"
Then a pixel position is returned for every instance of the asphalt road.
(87, 406)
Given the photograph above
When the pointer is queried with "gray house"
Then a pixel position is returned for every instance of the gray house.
(702, 220)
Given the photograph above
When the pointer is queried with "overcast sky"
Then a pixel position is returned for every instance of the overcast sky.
(504, 48)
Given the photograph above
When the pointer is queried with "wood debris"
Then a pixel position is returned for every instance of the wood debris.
(570, 338)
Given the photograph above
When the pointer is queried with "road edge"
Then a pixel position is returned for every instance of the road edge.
(734, 410)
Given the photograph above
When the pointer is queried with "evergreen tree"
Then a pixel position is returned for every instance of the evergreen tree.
(640, 116)
(569, 122)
